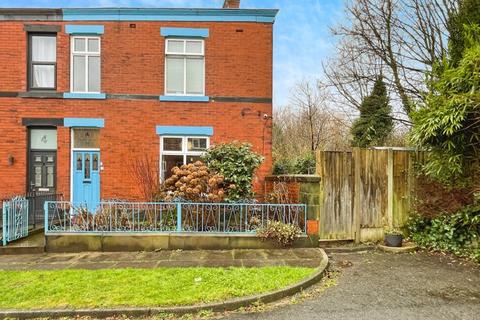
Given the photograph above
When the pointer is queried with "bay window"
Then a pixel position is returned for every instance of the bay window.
(180, 150)
(184, 67)
(85, 64)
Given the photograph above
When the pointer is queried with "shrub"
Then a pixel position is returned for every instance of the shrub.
(392, 231)
(375, 123)
(284, 234)
(447, 125)
(194, 182)
(304, 164)
(236, 163)
(457, 233)
(432, 198)
(144, 171)
(282, 166)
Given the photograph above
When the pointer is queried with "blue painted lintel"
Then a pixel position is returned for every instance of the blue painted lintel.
(184, 32)
(84, 122)
(185, 98)
(79, 95)
(84, 29)
(184, 130)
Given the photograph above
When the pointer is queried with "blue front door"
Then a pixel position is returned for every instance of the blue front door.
(86, 178)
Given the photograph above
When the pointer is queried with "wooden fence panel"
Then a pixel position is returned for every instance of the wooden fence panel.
(402, 186)
(336, 200)
(363, 191)
(373, 187)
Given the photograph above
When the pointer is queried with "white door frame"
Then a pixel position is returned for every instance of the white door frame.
(72, 150)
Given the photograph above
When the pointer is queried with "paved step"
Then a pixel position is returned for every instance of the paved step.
(33, 244)
(304, 257)
(21, 250)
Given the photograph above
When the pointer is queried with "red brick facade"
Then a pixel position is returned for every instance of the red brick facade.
(238, 64)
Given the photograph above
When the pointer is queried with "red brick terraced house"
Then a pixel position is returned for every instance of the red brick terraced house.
(84, 92)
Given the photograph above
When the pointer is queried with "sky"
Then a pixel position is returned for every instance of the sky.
(302, 38)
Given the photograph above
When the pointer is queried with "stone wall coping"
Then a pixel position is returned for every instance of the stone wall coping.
(312, 178)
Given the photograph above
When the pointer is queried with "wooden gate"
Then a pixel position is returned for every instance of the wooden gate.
(336, 201)
(363, 191)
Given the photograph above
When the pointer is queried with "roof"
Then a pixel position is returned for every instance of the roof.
(140, 14)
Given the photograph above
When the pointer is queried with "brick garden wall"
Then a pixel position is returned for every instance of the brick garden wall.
(287, 185)
(304, 189)
(238, 63)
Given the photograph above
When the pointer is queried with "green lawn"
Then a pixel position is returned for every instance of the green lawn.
(138, 287)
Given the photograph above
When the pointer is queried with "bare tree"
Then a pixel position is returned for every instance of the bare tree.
(401, 39)
(144, 171)
(350, 75)
(307, 124)
(310, 100)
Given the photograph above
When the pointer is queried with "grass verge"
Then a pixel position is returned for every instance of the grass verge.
(138, 287)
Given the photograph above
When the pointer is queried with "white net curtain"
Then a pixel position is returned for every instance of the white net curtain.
(44, 56)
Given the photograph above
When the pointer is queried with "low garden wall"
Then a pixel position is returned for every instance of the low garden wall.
(111, 242)
(297, 188)
(147, 226)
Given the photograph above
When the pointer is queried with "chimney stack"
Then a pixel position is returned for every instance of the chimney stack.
(231, 4)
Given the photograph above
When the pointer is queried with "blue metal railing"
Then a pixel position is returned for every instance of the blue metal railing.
(14, 220)
(159, 217)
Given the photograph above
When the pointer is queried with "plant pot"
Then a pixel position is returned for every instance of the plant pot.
(393, 240)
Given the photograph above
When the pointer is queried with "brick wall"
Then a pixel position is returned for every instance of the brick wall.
(238, 57)
(238, 64)
(289, 189)
(304, 189)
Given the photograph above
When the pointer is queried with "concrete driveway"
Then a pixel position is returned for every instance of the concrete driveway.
(383, 286)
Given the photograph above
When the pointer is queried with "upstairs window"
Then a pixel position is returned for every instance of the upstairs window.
(185, 67)
(85, 64)
(42, 65)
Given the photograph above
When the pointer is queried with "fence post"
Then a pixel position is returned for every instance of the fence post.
(45, 216)
(321, 195)
(4, 221)
(305, 217)
(390, 187)
(25, 208)
(410, 182)
(356, 158)
(179, 217)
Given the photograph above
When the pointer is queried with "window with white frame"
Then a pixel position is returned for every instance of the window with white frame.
(176, 151)
(85, 64)
(185, 67)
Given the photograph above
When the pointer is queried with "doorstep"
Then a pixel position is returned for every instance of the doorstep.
(32, 244)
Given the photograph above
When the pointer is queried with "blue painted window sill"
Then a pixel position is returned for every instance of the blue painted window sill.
(73, 95)
(185, 98)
